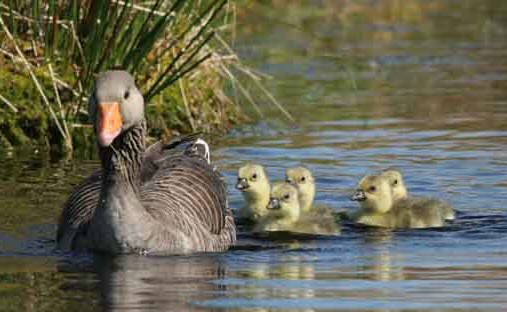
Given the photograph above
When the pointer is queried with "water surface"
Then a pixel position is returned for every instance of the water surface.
(420, 85)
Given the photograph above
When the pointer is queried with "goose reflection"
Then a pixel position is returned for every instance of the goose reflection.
(158, 283)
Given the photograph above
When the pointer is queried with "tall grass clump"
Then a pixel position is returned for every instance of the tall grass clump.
(51, 51)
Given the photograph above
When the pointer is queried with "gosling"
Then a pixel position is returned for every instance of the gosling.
(283, 209)
(399, 191)
(377, 207)
(397, 183)
(253, 182)
(303, 180)
(284, 214)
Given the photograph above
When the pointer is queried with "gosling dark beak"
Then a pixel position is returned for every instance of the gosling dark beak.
(242, 184)
(358, 196)
(274, 204)
(290, 181)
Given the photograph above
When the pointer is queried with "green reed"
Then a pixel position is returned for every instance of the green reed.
(158, 43)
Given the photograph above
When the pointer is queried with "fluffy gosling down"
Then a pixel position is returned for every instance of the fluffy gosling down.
(284, 214)
(396, 182)
(253, 182)
(399, 191)
(377, 206)
(303, 180)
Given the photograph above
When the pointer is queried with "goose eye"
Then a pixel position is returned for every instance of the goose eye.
(126, 94)
(286, 196)
(254, 176)
(303, 179)
(373, 188)
(395, 182)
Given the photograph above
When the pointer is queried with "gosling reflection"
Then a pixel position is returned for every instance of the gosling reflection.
(383, 262)
(158, 283)
(385, 268)
(265, 278)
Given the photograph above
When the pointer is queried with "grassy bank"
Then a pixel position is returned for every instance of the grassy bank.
(51, 51)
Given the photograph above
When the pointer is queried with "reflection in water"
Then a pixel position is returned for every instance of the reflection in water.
(387, 270)
(383, 263)
(264, 281)
(161, 283)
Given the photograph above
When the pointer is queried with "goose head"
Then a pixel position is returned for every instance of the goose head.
(303, 180)
(396, 182)
(373, 194)
(115, 105)
(284, 201)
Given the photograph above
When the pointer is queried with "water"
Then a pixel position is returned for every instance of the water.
(420, 85)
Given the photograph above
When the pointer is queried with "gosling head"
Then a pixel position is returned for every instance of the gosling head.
(303, 180)
(284, 201)
(252, 178)
(115, 105)
(396, 182)
(373, 194)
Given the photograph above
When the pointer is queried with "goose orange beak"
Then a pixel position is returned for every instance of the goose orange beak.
(110, 122)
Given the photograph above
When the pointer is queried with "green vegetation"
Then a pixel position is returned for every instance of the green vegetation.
(50, 52)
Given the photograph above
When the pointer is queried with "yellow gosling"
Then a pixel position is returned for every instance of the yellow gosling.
(303, 180)
(399, 191)
(378, 208)
(253, 182)
(397, 183)
(285, 214)
(284, 210)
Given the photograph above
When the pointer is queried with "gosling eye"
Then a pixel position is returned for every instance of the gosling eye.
(126, 94)
(286, 196)
(373, 188)
(303, 179)
(254, 176)
(395, 182)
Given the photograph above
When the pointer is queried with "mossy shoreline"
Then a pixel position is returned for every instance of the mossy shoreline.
(167, 115)
(175, 50)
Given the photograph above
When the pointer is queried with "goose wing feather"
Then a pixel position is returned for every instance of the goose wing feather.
(78, 209)
(191, 191)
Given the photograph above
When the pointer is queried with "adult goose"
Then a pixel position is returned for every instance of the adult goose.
(158, 200)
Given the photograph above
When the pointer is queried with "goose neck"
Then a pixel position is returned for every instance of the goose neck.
(121, 161)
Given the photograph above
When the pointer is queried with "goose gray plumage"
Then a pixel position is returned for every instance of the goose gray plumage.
(159, 200)
(80, 206)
